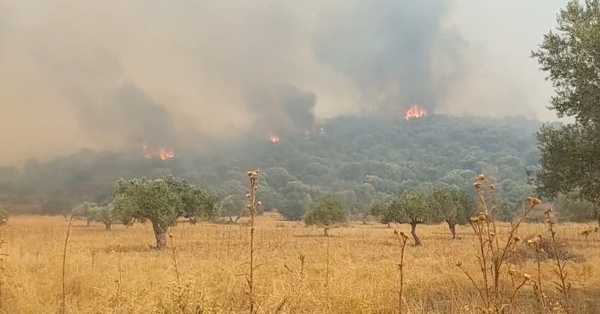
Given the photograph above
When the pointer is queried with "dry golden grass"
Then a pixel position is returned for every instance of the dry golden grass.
(117, 271)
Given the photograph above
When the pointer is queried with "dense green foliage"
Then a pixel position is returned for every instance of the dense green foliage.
(569, 154)
(360, 159)
(412, 208)
(85, 210)
(327, 211)
(453, 205)
(161, 201)
(442, 203)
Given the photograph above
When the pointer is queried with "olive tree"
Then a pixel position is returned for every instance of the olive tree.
(103, 214)
(85, 211)
(381, 210)
(454, 206)
(569, 153)
(412, 208)
(161, 201)
(326, 212)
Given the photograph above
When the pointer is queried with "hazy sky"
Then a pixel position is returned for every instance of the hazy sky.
(116, 73)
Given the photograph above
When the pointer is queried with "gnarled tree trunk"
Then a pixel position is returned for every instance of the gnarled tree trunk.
(108, 224)
(452, 227)
(413, 232)
(160, 233)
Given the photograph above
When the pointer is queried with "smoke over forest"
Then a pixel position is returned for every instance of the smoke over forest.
(119, 74)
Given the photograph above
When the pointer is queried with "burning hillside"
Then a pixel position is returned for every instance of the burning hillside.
(415, 112)
(274, 138)
(161, 153)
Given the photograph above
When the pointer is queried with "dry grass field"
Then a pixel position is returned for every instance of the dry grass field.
(299, 270)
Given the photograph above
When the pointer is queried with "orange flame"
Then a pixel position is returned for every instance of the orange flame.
(415, 111)
(162, 153)
(165, 153)
(274, 138)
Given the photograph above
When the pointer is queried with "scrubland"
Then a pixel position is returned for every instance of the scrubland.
(298, 270)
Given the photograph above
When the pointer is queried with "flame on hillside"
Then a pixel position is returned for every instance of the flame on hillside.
(161, 153)
(414, 112)
(274, 138)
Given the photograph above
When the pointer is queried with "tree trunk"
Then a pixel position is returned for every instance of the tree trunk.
(234, 221)
(160, 233)
(413, 231)
(88, 222)
(108, 225)
(326, 231)
(452, 227)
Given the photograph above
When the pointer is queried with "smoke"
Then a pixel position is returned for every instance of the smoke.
(282, 106)
(389, 49)
(115, 74)
(107, 106)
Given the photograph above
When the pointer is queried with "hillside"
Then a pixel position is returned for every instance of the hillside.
(363, 159)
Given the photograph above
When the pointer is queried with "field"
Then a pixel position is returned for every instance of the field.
(355, 270)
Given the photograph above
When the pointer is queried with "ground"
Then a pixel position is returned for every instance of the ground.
(118, 272)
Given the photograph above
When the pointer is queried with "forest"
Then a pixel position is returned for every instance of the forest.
(361, 159)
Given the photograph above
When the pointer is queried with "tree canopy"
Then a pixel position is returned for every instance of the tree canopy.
(411, 208)
(161, 201)
(361, 159)
(326, 211)
(569, 153)
(454, 205)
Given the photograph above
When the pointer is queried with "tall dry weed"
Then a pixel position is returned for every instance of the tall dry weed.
(495, 251)
(63, 304)
(402, 239)
(252, 206)
(3, 255)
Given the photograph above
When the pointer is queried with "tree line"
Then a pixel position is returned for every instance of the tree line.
(162, 201)
(360, 159)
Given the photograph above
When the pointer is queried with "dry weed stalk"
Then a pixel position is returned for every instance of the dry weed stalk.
(2, 256)
(493, 252)
(402, 238)
(63, 304)
(296, 283)
(252, 206)
(586, 233)
(537, 284)
(560, 261)
(328, 258)
(119, 284)
(175, 258)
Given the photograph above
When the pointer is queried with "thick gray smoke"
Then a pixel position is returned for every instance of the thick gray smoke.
(390, 49)
(115, 74)
(282, 106)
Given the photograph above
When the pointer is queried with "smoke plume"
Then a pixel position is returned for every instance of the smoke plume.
(117, 74)
(281, 107)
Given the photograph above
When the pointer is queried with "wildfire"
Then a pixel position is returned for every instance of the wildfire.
(415, 111)
(274, 138)
(161, 153)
